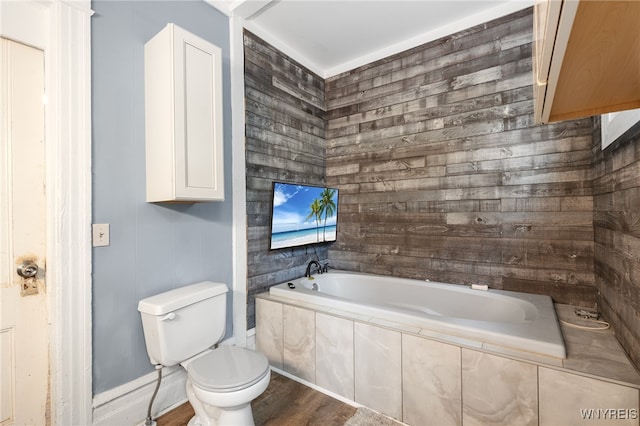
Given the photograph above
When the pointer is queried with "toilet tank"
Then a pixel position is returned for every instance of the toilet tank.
(181, 323)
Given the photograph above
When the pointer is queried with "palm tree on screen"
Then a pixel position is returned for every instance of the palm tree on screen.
(316, 211)
(327, 207)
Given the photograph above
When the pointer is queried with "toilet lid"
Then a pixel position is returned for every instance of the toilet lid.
(227, 369)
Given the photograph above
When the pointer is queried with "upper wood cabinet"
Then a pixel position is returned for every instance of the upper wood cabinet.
(586, 58)
(183, 118)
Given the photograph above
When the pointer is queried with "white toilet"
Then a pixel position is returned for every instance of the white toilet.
(180, 327)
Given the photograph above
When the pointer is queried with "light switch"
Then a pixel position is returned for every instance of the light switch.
(100, 235)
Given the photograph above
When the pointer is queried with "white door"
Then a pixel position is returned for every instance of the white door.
(24, 341)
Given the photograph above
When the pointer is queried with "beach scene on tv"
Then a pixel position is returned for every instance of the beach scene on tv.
(302, 215)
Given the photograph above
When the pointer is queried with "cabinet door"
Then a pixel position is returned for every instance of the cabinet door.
(586, 59)
(546, 16)
(198, 118)
(545, 21)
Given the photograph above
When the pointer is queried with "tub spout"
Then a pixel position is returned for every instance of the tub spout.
(308, 271)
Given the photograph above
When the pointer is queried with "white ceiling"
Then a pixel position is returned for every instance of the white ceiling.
(333, 36)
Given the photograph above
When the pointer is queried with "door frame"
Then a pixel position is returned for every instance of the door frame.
(69, 210)
(67, 45)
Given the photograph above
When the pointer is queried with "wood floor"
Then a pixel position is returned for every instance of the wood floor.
(284, 403)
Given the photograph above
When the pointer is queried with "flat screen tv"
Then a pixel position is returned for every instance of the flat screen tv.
(303, 214)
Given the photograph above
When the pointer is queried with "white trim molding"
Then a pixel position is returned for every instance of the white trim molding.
(615, 124)
(237, 11)
(249, 9)
(240, 291)
(69, 208)
(63, 33)
(128, 404)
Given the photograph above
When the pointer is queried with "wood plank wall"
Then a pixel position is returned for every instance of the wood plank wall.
(285, 141)
(617, 236)
(443, 174)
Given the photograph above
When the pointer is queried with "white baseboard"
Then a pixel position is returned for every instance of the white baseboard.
(127, 405)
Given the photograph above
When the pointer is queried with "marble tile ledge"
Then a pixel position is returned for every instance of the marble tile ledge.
(590, 353)
(595, 352)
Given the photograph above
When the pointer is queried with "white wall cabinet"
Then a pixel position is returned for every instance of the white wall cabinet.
(586, 58)
(183, 118)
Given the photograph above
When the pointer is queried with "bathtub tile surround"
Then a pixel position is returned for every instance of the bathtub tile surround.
(595, 352)
(378, 363)
(299, 348)
(533, 357)
(561, 391)
(334, 355)
(431, 382)
(497, 388)
(472, 385)
(270, 332)
(451, 339)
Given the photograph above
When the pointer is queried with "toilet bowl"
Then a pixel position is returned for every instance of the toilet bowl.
(222, 383)
(180, 327)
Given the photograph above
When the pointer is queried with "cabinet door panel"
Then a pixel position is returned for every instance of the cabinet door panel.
(198, 93)
(183, 113)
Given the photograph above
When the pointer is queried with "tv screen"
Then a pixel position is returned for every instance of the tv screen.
(303, 214)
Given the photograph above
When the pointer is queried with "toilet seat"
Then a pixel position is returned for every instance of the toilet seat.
(228, 369)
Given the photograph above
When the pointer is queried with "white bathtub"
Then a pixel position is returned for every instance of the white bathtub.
(512, 320)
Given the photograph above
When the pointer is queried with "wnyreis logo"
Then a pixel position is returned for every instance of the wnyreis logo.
(609, 413)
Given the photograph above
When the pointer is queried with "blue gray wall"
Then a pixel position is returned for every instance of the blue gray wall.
(154, 247)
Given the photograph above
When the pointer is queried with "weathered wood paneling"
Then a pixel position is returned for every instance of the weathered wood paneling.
(616, 224)
(443, 174)
(285, 141)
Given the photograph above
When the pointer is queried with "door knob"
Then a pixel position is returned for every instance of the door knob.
(27, 269)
